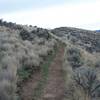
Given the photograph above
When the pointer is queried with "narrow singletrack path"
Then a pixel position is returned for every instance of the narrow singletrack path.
(55, 87)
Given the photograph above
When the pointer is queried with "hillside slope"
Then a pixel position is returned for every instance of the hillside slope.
(90, 40)
(42, 64)
(21, 54)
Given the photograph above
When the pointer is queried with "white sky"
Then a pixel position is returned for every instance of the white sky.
(81, 15)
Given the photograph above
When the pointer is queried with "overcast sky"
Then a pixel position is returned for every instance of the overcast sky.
(52, 13)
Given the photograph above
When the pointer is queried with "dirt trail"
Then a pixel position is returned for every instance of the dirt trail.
(55, 86)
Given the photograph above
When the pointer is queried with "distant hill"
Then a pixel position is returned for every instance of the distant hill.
(97, 30)
(87, 39)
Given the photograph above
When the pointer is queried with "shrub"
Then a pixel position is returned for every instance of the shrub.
(86, 78)
(1, 22)
(24, 73)
(7, 78)
(97, 64)
(74, 57)
(25, 35)
(7, 90)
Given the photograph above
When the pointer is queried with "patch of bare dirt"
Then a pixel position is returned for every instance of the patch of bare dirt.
(55, 87)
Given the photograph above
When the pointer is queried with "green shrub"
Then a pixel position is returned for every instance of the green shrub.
(97, 64)
(86, 78)
(74, 57)
(23, 73)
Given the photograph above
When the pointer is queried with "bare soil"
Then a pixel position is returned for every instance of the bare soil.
(55, 87)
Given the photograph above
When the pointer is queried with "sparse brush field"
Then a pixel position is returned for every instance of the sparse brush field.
(82, 74)
(35, 65)
(19, 57)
